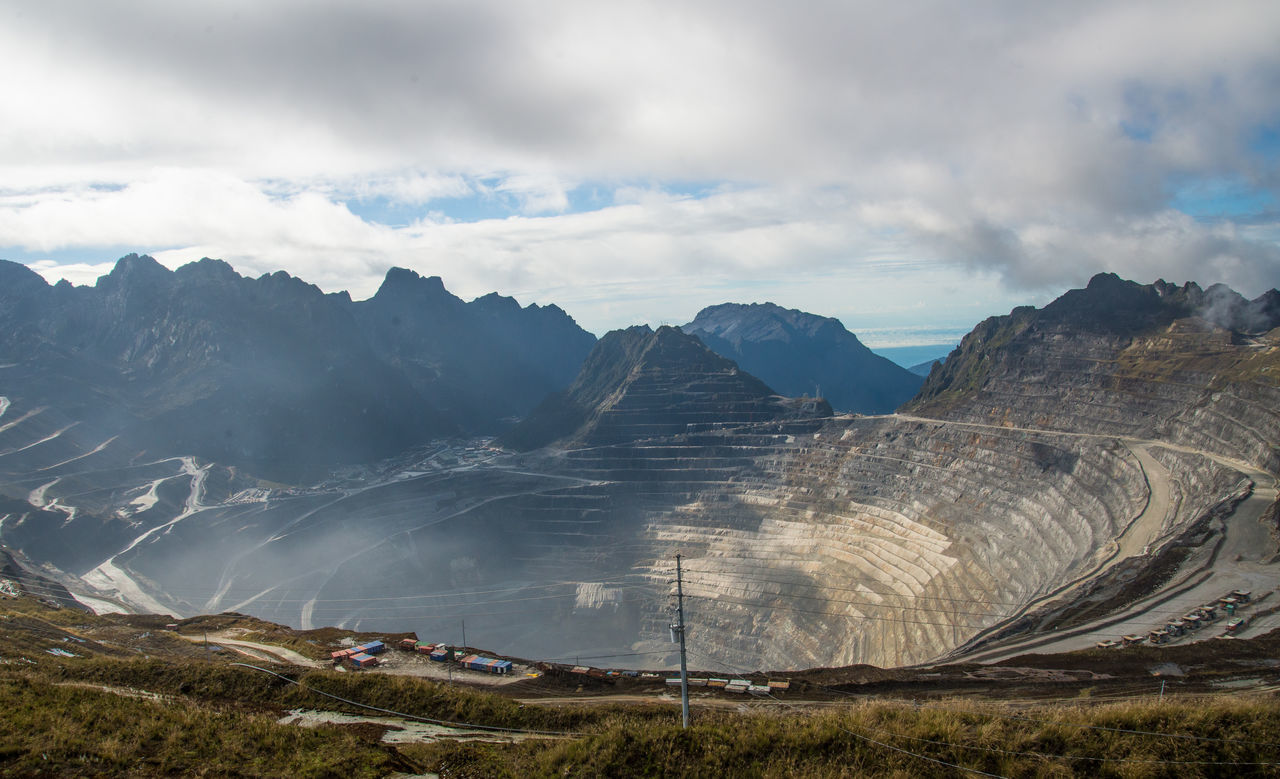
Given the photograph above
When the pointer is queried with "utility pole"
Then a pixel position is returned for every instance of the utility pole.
(464, 634)
(678, 628)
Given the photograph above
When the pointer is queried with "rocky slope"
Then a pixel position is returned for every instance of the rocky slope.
(802, 354)
(1191, 366)
(640, 383)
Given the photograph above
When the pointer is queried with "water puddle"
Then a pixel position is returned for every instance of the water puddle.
(400, 731)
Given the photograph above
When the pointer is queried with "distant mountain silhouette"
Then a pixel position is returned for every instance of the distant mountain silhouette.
(272, 374)
(478, 362)
(640, 383)
(799, 353)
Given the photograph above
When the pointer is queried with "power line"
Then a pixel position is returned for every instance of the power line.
(444, 723)
(868, 738)
(679, 629)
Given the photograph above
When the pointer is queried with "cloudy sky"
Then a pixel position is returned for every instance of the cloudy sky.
(908, 167)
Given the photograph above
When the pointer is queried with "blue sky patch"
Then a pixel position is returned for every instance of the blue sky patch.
(1211, 200)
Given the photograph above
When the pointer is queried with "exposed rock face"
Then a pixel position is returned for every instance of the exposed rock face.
(806, 542)
(1195, 367)
(639, 383)
(801, 354)
(479, 362)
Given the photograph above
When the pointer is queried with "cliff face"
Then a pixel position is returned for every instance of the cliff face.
(801, 354)
(1196, 367)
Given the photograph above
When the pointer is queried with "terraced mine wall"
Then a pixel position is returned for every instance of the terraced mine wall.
(880, 540)
(1187, 383)
(885, 542)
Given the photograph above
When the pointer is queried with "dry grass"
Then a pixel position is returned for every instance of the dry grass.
(75, 731)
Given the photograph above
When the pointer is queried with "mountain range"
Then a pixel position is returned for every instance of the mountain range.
(271, 374)
(640, 383)
(1068, 473)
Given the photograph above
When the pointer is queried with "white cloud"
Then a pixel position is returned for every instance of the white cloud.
(1026, 144)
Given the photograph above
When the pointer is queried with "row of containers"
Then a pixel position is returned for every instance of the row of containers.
(735, 685)
(359, 656)
(441, 652)
(437, 652)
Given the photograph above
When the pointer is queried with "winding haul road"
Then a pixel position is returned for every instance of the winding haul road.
(1243, 555)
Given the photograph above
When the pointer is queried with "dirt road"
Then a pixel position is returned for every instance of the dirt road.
(272, 654)
(1242, 558)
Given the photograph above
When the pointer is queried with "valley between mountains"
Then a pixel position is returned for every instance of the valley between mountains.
(1096, 468)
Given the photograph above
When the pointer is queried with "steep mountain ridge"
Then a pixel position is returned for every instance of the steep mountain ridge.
(800, 354)
(479, 362)
(643, 383)
(270, 373)
(266, 373)
(1197, 367)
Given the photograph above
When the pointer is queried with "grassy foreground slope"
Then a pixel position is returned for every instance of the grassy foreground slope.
(157, 707)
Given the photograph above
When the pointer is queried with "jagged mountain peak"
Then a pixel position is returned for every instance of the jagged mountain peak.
(409, 283)
(134, 270)
(17, 278)
(495, 301)
(1110, 304)
(209, 269)
(1116, 356)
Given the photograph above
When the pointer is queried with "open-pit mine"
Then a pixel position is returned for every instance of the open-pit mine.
(1056, 482)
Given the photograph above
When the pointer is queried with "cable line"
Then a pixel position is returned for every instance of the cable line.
(444, 723)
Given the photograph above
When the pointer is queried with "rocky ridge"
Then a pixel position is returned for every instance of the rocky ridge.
(480, 362)
(271, 374)
(641, 383)
(1194, 367)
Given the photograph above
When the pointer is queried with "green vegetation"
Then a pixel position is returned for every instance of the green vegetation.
(966, 373)
(1188, 351)
(110, 712)
(210, 720)
(841, 743)
(63, 730)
